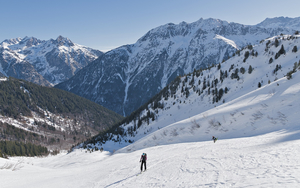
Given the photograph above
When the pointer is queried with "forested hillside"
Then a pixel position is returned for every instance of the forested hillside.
(59, 118)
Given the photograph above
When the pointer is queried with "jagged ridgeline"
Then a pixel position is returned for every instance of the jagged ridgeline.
(56, 117)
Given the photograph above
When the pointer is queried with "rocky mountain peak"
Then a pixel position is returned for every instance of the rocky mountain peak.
(63, 41)
(30, 41)
(281, 22)
(11, 41)
(171, 30)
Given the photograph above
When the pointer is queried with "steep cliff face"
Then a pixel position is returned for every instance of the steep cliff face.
(127, 77)
(54, 60)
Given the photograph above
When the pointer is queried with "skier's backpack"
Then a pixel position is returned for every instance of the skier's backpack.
(144, 156)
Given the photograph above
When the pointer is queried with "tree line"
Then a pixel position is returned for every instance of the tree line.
(15, 148)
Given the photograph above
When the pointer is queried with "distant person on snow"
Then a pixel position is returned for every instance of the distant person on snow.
(214, 139)
(143, 161)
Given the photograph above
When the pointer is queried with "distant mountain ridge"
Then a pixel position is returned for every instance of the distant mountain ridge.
(51, 61)
(281, 22)
(125, 78)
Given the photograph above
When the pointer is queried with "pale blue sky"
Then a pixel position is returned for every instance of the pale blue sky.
(107, 24)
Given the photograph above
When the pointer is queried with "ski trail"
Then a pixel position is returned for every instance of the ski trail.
(120, 181)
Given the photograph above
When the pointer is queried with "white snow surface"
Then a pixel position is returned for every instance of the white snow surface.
(269, 160)
(257, 129)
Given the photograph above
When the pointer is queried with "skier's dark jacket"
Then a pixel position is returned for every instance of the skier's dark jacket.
(144, 158)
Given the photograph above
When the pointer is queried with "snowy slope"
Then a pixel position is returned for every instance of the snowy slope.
(127, 77)
(244, 99)
(255, 151)
(56, 60)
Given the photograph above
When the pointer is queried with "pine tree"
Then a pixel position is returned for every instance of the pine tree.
(204, 84)
(220, 94)
(242, 70)
(226, 89)
(295, 49)
(270, 60)
(250, 69)
(250, 47)
(247, 53)
(282, 50)
(289, 75)
(276, 43)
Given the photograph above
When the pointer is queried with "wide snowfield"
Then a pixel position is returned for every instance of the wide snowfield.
(270, 160)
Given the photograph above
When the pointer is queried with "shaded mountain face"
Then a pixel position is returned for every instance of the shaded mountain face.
(127, 77)
(53, 60)
(57, 118)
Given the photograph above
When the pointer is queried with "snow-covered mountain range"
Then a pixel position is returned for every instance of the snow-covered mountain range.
(250, 102)
(257, 128)
(127, 77)
(44, 62)
(252, 93)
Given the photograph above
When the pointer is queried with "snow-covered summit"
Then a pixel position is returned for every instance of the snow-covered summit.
(170, 30)
(55, 60)
(10, 41)
(281, 22)
(20, 44)
(63, 41)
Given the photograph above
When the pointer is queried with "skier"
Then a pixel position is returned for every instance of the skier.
(214, 139)
(143, 161)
